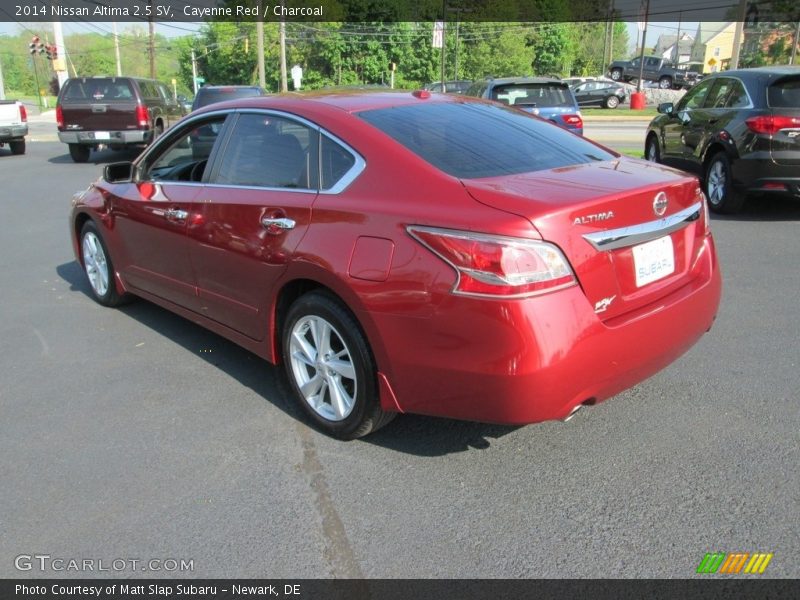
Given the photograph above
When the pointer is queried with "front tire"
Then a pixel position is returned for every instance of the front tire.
(722, 197)
(330, 367)
(98, 267)
(616, 74)
(651, 150)
(612, 102)
(79, 153)
(17, 147)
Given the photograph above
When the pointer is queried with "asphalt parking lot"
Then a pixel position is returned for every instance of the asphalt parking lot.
(135, 434)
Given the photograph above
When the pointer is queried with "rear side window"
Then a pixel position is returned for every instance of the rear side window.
(784, 93)
(99, 90)
(471, 140)
(533, 94)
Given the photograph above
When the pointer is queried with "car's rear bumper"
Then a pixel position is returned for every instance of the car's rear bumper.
(535, 359)
(12, 132)
(91, 138)
(763, 175)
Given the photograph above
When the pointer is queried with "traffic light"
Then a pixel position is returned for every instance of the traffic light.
(52, 52)
(36, 46)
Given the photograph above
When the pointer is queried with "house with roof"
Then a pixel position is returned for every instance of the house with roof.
(665, 47)
(713, 45)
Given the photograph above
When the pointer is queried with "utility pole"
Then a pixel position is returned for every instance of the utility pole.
(60, 64)
(116, 49)
(262, 76)
(151, 49)
(641, 54)
(194, 71)
(444, 42)
(678, 40)
(795, 41)
(2, 85)
(284, 83)
(737, 35)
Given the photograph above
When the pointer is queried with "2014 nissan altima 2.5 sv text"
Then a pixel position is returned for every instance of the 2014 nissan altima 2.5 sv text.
(409, 252)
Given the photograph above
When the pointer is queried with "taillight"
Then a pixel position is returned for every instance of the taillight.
(59, 117)
(23, 114)
(142, 116)
(573, 120)
(706, 216)
(492, 265)
(771, 124)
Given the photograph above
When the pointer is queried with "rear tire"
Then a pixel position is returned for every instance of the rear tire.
(330, 367)
(17, 147)
(97, 266)
(79, 153)
(665, 83)
(722, 197)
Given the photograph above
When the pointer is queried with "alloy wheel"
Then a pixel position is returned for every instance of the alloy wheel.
(322, 366)
(95, 263)
(717, 180)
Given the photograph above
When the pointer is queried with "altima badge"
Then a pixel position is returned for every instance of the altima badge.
(660, 204)
(603, 304)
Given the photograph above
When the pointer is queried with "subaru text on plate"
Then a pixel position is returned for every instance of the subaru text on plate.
(409, 252)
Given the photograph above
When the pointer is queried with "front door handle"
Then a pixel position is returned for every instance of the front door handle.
(174, 214)
(277, 225)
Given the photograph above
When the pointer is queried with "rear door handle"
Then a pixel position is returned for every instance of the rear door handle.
(277, 225)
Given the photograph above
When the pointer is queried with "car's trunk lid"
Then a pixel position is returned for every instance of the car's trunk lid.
(607, 219)
(783, 97)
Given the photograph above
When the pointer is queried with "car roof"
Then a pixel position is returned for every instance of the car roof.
(772, 71)
(513, 80)
(350, 101)
(220, 87)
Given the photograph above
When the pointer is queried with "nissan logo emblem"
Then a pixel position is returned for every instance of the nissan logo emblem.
(660, 204)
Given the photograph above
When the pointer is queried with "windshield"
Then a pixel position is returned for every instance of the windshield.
(472, 140)
(533, 94)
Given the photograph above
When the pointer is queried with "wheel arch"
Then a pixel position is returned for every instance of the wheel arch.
(715, 145)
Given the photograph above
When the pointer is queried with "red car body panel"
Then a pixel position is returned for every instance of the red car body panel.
(505, 360)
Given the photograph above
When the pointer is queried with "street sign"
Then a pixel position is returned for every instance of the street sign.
(438, 34)
(712, 61)
(200, 80)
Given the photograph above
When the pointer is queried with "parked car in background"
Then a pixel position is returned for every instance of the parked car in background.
(114, 112)
(410, 252)
(185, 102)
(210, 94)
(656, 68)
(606, 94)
(545, 97)
(738, 130)
(13, 125)
(451, 87)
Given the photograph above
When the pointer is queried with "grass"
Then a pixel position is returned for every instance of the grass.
(620, 112)
(632, 151)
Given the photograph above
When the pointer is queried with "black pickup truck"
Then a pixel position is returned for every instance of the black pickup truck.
(655, 69)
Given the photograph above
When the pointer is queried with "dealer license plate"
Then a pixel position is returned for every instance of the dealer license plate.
(653, 260)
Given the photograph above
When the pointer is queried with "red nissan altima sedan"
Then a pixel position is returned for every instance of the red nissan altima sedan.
(409, 252)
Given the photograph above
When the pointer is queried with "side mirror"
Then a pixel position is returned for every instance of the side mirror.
(118, 172)
(665, 108)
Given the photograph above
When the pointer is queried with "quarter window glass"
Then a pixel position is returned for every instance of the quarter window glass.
(186, 157)
(269, 151)
(336, 162)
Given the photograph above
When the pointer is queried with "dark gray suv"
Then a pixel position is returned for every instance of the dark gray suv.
(738, 130)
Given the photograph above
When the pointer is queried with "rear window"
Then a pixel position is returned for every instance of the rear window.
(101, 89)
(206, 96)
(533, 94)
(471, 140)
(784, 93)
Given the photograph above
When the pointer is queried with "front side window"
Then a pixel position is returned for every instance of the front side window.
(186, 157)
(695, 97)
(265, 150)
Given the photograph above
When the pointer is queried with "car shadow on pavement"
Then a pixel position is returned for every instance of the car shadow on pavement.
(765, 208)
(101, 157)
(412, 434)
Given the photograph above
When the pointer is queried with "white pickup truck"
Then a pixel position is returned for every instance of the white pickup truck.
(13, 125)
